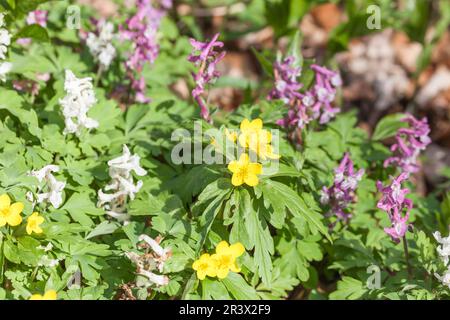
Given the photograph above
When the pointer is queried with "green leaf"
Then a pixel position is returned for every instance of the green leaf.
(79, 206)
(388, 126)
(33, 31)
(239, 288)
(106, 227)
(348, 288)
(297, 206)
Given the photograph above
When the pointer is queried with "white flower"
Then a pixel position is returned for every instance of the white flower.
(79, 99)
(445, 278)
(5, 68)
(47, 248)
(42, 174)
(122, 184)
(100, 45)
(444, 249)
(126, 163)
(157, 279)
(5, 41)
(163, 254)
(45, 261)
(54, 187)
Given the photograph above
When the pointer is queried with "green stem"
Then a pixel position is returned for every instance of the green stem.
(405, 249)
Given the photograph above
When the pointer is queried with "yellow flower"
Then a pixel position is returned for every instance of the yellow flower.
(255, 138)
(225, 258)
(48, 295)
(244, 171)
(33, 223)
(10, 213)
(231, 135)
(204, 266)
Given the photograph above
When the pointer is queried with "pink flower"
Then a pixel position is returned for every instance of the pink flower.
(314, 104)
(399, 225)
(34, 17)
(393, 201)
(206, 58)
(342, 192)
(141, 29)
(38, 17)
(409, 143)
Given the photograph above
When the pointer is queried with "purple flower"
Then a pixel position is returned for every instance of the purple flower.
(315, 104)
(286, 85)
(38, 17)
(141, 29)
(34, 17)
(206, 58)
(394, 202)
(399, 225)
(409, 143)
(342, 192)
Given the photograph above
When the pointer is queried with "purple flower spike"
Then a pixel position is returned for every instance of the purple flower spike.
(286, 85)
(394, 202)
(409, 143)
(206, 58)
(342, 192)
(141, 29)
(314, 104)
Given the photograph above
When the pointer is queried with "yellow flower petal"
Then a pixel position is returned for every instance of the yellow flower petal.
(222, 273)
(256, 124)
(245, 125)
(5, 201)
(237, 249)
(244, 159)
(14, 219)
(36, 297)
(237, 180)
(222, 247)
(233, 166)
(50, 295)
(251, 180)
(254, 168)
(16, 208)
(2, 221)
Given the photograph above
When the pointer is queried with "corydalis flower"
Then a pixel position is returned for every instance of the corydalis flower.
(54, 188)
(286, 85)
(315, 104)
(206, 58)
(5, 38)
(444, 248)
(38, 17)
(342, 192)
(122, 184)
(80, 97)
(142, 30)
(444, 253)
(393, 201)
(100, 43)
(5, 41)
(409, 143)
(149, 261)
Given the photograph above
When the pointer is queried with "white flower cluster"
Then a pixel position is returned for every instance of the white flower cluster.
(54, 187)
(45, 260)
(79, 99)
(121, 184)
(148, 262)
(5, 41)
(100, 45)
(444, 253)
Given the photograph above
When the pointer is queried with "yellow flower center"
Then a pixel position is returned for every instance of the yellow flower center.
(224, 261)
